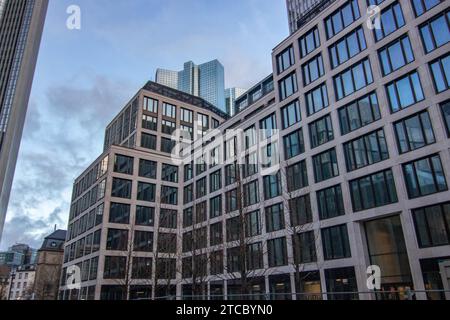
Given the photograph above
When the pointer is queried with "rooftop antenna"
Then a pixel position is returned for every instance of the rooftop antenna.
(55, 228)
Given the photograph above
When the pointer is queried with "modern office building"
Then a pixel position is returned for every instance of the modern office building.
(231, 95)
(297, 9)
(21, 25)
(360, 122)
(206, 80)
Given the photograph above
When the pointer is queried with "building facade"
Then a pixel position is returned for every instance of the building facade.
(21, 25)
(360, 122)
(206, 80)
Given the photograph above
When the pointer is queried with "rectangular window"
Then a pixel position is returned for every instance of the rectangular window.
(313, 70)
(169, 195)
(230, 174)
(391, 20)
(169, 173)
(275, 218)
(121, 188)
(300, 210)
(297, 176)
(117, 240)
(366, 150)
(321, 131)
(342, 18)
(200, 212)
(422, 6)
(445, 108)
(188, 217)
(119, 213)
(335, 243)
(251, 193)
(147, 168)
(123, 164)
(149, 122)
(150, 105)
(414, 132)
(268, 126)
(277, 252)
(188, 194)
(169, 110)
(359, 113)
(200, 188)
(143, 241)
(396, 55)
(200, 166)
(253, 224)
(405, 92)
(234, 229)
(216, 234)
(325, 165)
(148, 141)
(215, 181)
(317, 99)
(288, 86)
(330, 202)
(250, 137)
(285, 59)
(187, 116)
(433, 225)
(291, 114)
(436, 32)
(440, 69)
(309, 42)
(146, 192)
(353, 79)
(270, 156)
(231, 201)
(272, 186)
(167, 145)
(348, 47)
(145, 216)
(168, 127)
(254, 256)
(188, 172)
(373, 191)
(215, 207)
(293, 144)
(142, 268)
(251, 165)
(424, 177)
(304, 247)
(114, 267)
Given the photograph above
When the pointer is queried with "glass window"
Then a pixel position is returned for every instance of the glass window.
(250, 137)
(231, 201)
(313, 70)
(436, 32)
(321, 131)
(359, 113)
(200, 187)
(169, 110)
(335, 243)
(325, 165)
(297, 176)
(121, 188)
(373, 191)
(424, 177)
(253, 224)
(348, 47)
(316, 99)
(234, 229)
(353, 79)
(146, 192)
(366, 150)
(169, 195)
(422, 6)
(143, 241)
(342, 18)
(169, 173)
(188, 194)
(215, 234)
(215, 207)
(414, 132)
(250, 166)
(251, 193)
(268, 126)
(304, 246)
(433, 225)
(300, 210)
(405, 92)
(291, 114)
(167, 145)
(293, 144)
(188, 218)
(123, 164)
(330, 202)
(341, 280)
(285, 59)
(147, 168)
(150, 105)
(148, 141)
(230, 174)
(117, 240)
(115, 268)
(188, 172)
(168, 127)
(215, 181)
(119, 213)
(440, 70)
(142, 268)
(445, 107)
(168, 218)
(288, 86)
(277, 252)
(396, 55)
(145, 216)
(272, 186)
(391, 20)
(149, 122)
(309, 42)
(187, 115)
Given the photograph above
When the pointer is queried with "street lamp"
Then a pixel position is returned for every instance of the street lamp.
(13, 276)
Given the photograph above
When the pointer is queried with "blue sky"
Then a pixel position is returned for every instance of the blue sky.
(84, 77)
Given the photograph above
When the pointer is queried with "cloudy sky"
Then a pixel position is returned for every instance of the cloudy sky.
(83, 78)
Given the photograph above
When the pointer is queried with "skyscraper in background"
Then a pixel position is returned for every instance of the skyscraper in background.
(206, 80)
(231, 95)
(21, 25)
(298, 8)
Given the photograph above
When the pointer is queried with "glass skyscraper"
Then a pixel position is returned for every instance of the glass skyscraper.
(21, 24)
